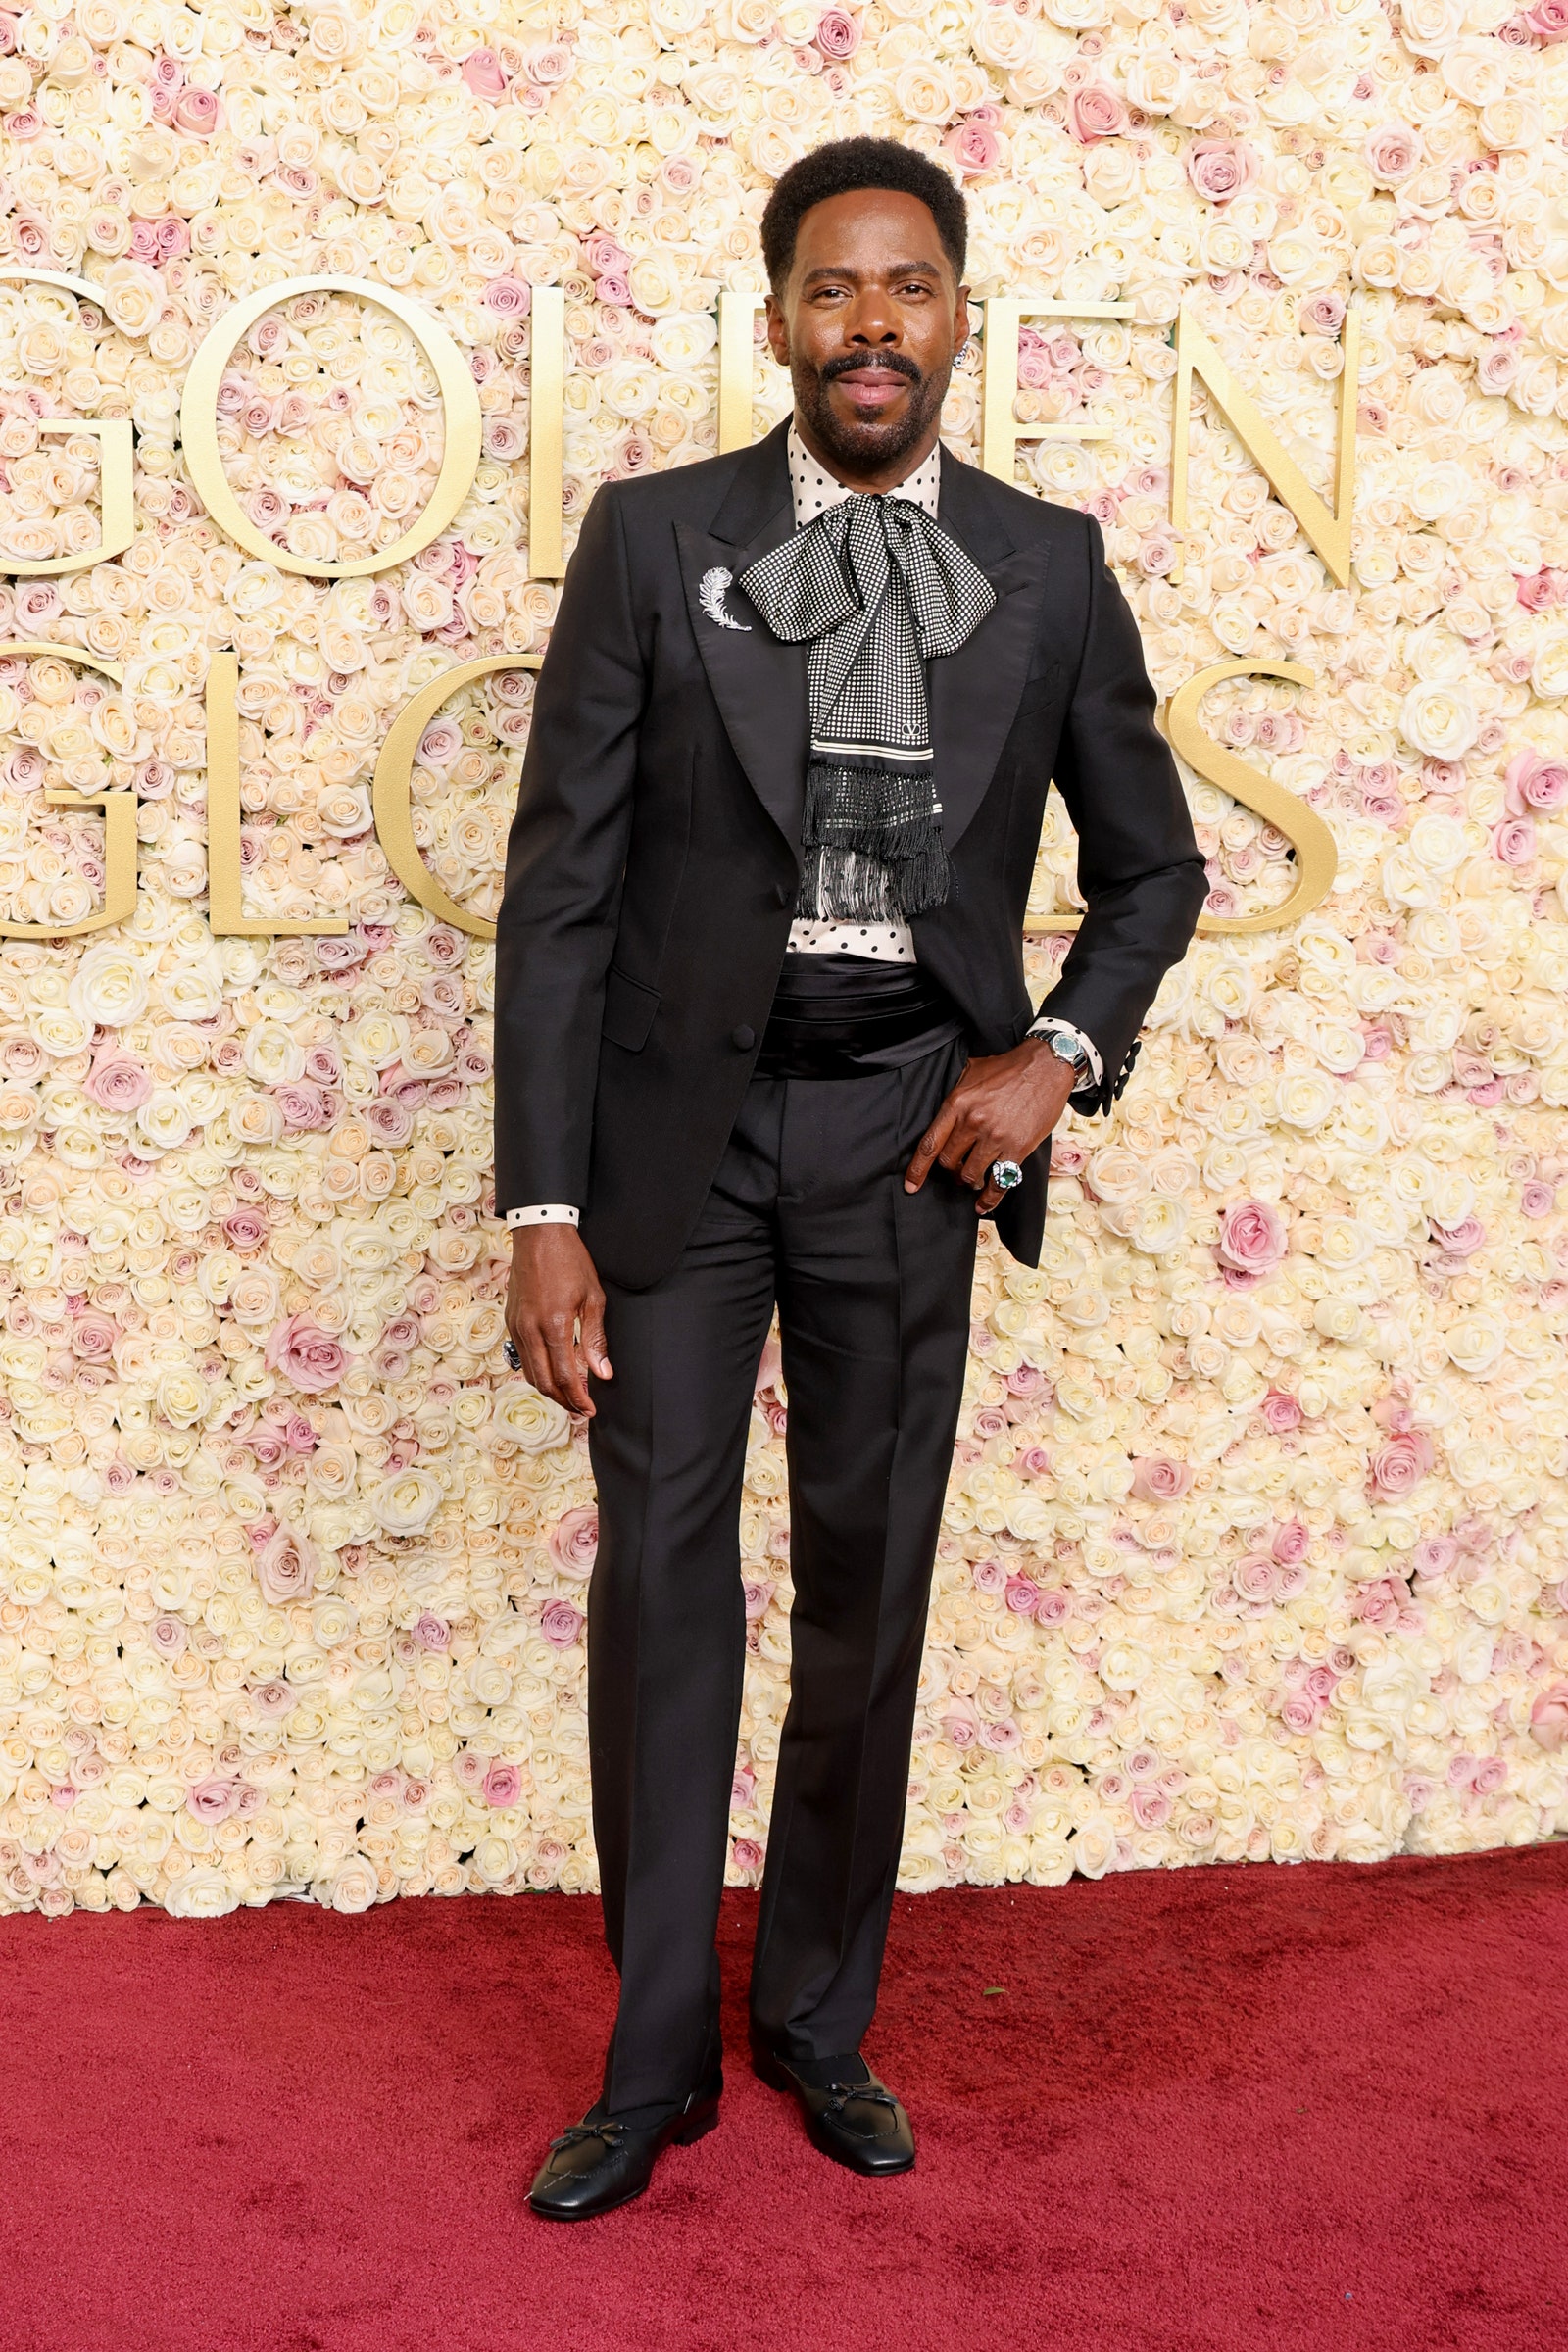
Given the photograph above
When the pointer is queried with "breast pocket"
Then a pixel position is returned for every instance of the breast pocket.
(629, 1009)
(1042, 688)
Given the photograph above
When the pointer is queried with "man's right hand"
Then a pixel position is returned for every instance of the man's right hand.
(555, 1313)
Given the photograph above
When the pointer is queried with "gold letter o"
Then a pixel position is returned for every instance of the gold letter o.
(391, 792)
(459, 401)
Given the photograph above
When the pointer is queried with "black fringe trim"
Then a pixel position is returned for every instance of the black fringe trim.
(874, 849)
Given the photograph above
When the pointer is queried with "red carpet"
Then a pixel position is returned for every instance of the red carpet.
(1209, 2111)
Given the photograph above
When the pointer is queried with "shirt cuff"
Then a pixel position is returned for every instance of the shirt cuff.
(1050, 1023)
(547, 1213)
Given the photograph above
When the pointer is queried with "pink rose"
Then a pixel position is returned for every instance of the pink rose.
(1434, 1555)
(1513, 842)
(1251, 1238)
(1300, 1713)
(169, 1636)
(1402, 1462)
(1391, 153)
(440, 743)
(481, 71)
(117, 1081)
(92, 1337)
(1253, 1577)
(214, 1799)
(1549, 1718)
(285, 1567)
(1497, 367)
(432, 1632)
(1291, 1540)
(1462, 1240)
(1323, 315)
(1537, 1200)
(1380, 1604)
(838, 33)
(747, 1856)
(1537, 592)
(1157, 1478)
(198, 112)
(1280, 1413)
(1024, 1596)
(305, 1355)
(560, 1623)
(1531, 780)
(1094, 112)
(508, 297)
(246, 1229)
(1548, 20)
(503, 1784)
(549, 64)
(973, 146)
(574, 1541)
(303, 1105)
(1221, 169)
(275, 1700)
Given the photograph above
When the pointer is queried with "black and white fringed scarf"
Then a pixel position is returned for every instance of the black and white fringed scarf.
(879, 590)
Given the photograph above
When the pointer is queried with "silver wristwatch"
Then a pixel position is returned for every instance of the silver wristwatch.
(1066, 1048)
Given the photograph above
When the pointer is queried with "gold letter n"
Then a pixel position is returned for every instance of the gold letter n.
(1327, 529)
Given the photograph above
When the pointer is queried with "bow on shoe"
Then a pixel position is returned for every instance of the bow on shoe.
(612, 2131)
(841, 2093)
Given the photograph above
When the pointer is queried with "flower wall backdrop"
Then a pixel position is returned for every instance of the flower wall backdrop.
(1256, 1537)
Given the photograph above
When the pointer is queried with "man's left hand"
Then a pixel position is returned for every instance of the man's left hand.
(1003, 1107)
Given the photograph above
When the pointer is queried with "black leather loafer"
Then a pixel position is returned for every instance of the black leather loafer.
(860, 2125)
(596, 2166)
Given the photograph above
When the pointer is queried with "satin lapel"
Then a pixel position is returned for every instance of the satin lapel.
(759, 682)
(975, 692)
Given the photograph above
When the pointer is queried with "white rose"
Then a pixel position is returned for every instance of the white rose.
(1475, 1343)
(406, 1503)
(352, 1886)
(1439, 720)
(201, 1894)
(110, 986)
(523, 1417)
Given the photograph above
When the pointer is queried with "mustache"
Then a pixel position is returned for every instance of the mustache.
(857, 363)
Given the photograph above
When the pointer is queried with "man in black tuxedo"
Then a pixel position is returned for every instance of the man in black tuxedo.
(763, 1039)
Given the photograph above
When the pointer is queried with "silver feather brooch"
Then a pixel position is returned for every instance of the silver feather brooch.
(711, 595)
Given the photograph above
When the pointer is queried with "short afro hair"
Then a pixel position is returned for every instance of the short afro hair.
(843, 167)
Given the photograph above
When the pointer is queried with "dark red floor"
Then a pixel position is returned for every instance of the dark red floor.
(1207, 2111)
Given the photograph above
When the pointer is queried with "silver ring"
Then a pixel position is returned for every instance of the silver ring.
(509, 1348)
(1004, 1174)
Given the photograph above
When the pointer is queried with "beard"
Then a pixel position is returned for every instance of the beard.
(865, 445)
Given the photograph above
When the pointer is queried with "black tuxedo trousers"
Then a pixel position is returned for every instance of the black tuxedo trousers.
(808, 1211)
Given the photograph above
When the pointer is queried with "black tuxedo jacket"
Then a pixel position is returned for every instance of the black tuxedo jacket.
(655, 857)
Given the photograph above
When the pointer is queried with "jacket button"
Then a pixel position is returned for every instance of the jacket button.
(743, 1039)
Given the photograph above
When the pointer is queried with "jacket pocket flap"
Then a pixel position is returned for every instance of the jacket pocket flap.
(629, 1010)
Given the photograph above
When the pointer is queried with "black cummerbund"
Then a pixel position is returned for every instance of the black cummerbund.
(841, 1016)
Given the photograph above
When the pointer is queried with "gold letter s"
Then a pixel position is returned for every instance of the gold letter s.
(1316, 856)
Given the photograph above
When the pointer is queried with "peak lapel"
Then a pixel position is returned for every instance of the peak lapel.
(759, 683)
(975, 692)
